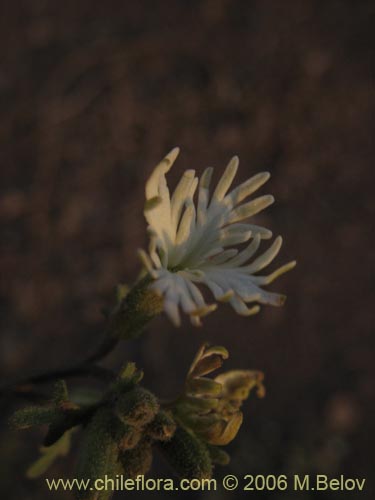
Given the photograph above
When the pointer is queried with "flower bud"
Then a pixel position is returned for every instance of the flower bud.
(131, 315)
(129, 438)
(137, 407)
(188, 455)
(137, 461)
(99, 453)
(162, 427)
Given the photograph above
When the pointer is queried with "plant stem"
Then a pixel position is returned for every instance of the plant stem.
(87, 367)
(126, 321)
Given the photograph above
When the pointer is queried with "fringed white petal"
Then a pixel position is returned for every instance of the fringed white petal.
(203, 196)
(180, 195)
(179, 292)
(266, 258)
(152, 185)
(266, 280)
(248, 187)
(194, 245)
(251, 208)
(226, 179)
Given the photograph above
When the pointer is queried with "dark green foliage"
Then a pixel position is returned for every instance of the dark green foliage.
(188, 455)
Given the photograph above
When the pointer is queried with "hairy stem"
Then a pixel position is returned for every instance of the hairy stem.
(126, 321)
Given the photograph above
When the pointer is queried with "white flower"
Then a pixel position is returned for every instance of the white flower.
(193, 243)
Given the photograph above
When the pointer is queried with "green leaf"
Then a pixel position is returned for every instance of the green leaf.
(49, 455)
(33, 416)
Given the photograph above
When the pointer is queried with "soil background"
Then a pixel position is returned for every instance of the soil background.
(92, 95)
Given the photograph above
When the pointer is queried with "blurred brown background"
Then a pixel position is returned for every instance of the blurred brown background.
(92, 95)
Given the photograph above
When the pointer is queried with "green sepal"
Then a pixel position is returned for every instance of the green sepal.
(162, 427)
(137, 407)
(187, 454)
(130, 437)
(131, 315)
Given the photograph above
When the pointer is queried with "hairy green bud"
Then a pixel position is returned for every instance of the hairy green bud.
(162, 427)
(137, 461)
(188, 455)
(99, 453)
(130, 437)
(136, 309)
(137, 407)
